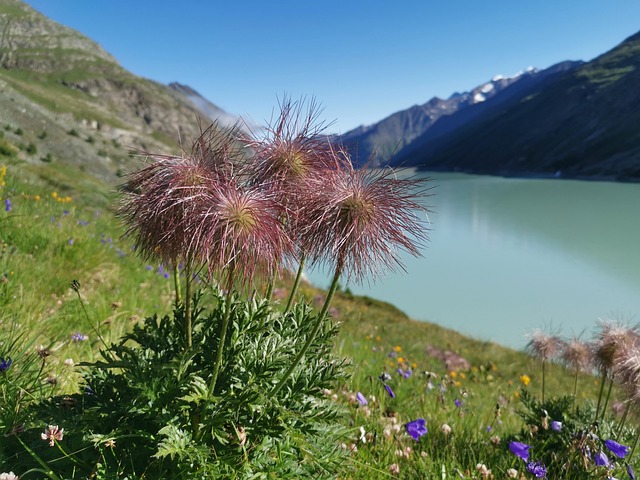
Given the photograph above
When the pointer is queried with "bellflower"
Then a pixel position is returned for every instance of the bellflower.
(632, 475)
(416, 428)
(601, 459)
(5, 364)
(389, 391)
(556, 426)
(520, 449)
(79, 337)
(361, 399)
(537, 469)
(7, 205)
(618, 450)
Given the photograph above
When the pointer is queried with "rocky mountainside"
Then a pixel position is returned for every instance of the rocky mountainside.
(387, 139)
(580, 124)
(64, 100)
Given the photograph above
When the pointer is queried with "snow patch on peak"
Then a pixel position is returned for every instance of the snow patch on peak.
(497, 78)
(486, 88)
(478, 97)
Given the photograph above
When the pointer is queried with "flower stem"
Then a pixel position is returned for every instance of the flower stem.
(223, 334)
(269, 292)
(296, 283)
(624, 419)
(187, 303)
(606, 400)
(575, 389)
(176, 283)
(543, 377)
(604, 379)
(316, 328)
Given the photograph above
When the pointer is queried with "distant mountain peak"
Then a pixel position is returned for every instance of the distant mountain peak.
(391, 135)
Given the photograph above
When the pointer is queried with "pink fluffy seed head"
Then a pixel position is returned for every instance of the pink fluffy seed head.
(359, 220)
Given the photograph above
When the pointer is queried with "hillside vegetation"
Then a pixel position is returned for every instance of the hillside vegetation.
(469, 392)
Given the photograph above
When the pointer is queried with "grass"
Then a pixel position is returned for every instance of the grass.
(59, 229)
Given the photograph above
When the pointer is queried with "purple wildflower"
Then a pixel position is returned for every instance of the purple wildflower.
(400, 371)
(520, 449)
(457, 402)
(537, 469)
(601, 459)
(618, 450)
(79, 337)
(407, 374)
(416, 428)
(148, 267)
(70, 241)
(389, 391)
(7, 205)
(632, 476)
(557, 426)
(5, 364)
(361, 399)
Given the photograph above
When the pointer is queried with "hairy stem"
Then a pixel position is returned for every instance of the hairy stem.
(223, 333)
(604, 379)
(269, 291)
(316, 328)
(543, 377)
(176, 283)
(296, 283)
(188, 281)
(606, 400)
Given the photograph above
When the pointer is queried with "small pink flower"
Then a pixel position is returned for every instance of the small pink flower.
(53, 433)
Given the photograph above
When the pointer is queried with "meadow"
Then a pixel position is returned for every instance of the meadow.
(105, 373)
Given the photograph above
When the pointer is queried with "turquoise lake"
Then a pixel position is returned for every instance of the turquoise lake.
(507, 256)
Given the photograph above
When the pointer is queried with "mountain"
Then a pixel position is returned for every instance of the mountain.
(387, 139)
(66, 102)
(581, 123)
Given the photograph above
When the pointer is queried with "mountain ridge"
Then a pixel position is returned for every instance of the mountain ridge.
(73, 101)
(394, 134)
(582, 125)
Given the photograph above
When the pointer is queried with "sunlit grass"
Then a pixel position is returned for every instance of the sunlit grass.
(470, 405)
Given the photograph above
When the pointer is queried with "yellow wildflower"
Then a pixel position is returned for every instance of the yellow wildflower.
(525, 380)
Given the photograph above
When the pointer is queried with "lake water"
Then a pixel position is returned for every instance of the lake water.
(507, 256)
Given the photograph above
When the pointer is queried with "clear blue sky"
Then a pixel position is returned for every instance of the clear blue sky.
(362, 60)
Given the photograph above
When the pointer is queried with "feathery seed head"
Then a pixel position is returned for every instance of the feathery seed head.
(611, 340)
(360, 219)
(243, 233)
(164, 202)
(576, 354)
(293, 148)
(543, 345)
